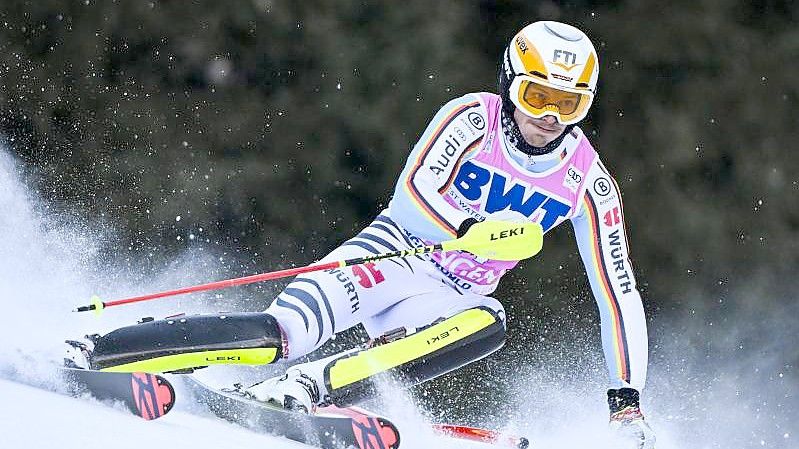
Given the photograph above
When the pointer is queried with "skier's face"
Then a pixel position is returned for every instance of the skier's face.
(538, 132)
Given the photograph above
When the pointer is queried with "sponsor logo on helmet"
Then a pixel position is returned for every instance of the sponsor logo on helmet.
(521, 44)
(558, 76)
(569, 60)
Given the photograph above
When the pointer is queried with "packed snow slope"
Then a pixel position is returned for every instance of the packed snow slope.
(719, 377)
(41, 419)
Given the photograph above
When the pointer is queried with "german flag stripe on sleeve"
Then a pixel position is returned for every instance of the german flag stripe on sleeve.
(606, 288)
(621, 209)
(469, 150)
(410, 187)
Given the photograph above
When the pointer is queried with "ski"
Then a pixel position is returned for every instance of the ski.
(481, 435)
(326, 429)
(454, 431)
(148, 396)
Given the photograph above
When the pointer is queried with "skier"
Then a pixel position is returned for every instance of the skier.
(516, 156)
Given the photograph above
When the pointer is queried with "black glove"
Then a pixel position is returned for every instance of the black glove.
(627, 420)
(465, 225)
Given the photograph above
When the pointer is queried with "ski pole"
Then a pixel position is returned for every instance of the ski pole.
(498, 240)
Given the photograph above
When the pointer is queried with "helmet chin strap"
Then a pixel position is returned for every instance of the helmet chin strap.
(513, 134)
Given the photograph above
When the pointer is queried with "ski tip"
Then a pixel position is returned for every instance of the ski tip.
(153, 395)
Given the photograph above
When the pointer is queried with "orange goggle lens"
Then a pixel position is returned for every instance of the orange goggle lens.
(539, 97)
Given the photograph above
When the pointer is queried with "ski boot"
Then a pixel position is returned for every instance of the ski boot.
(294, 390)
(79, 352)
(627, 420)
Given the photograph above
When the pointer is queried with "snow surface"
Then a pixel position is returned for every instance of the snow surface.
(38, 418)
(42, 419)
(724, 386)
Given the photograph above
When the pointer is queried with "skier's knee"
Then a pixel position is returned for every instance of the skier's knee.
(305, 313)
(495, 307)
(442, 347)
(184, 343)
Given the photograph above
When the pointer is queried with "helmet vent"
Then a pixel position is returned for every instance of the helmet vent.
(539, 74)
(582, 85)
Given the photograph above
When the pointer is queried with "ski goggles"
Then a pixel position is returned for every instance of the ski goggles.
(537, 100)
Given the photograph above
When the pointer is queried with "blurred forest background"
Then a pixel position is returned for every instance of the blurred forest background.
(271, 131)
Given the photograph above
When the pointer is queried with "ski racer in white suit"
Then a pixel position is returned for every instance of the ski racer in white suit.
(514, 156)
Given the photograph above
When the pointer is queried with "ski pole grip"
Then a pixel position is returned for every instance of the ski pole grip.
(84, 308)
(97, 305)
